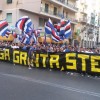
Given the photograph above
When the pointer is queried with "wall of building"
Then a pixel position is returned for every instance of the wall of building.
(1, 4)
(30, 5)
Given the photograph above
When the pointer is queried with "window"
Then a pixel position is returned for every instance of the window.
(9, 17)
(46, 8)
(66, 14)
(55, 11)
(9, 1)
(92, 18)
(42, 22)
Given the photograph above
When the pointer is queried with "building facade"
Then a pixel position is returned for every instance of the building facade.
(88, 23)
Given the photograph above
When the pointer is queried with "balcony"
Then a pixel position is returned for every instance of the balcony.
(50, 13)
(67, 5)
(83, 20)
(72, 19)
(84, 12)
(58, 15)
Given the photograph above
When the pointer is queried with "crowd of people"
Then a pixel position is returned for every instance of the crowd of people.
(46, 47)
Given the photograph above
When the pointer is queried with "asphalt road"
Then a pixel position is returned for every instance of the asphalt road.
(19, 83)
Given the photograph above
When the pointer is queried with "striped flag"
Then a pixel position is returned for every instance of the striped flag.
(3, 27)
(68, 31)
(47, 28)
(62, 27)
(57, 27)
(37, 32)
(52, 31)
(24, 24)
(26, 39)
(34, 38)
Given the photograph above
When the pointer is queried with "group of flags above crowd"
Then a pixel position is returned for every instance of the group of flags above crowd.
(28, 34)
(58, 31)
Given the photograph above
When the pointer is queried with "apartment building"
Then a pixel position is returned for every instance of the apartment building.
(39, 11)
(88, 22)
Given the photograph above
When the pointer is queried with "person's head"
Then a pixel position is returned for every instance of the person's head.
(54, 49)
(61, 49)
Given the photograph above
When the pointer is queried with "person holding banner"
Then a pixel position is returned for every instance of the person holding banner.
(31, 55)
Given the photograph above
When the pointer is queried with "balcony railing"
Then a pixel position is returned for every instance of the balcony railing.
(84, 20)
(58, 14)
(72, 19)
(50, 12)
(84, 12)
(68, 4)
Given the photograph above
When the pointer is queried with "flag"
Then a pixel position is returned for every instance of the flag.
(62, 27)
(68, 31)
(3, 27)
(34, 38)
(37, 32)
(26, 39)
(24, 24)
(47, 28)
(14, 35)
(57, 27)
(19, 37)
(54, 34)
(8, 33)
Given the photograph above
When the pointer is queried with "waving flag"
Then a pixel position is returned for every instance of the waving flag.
(24, 24)
(3, 27)
(15, 35)
(35, 35)
(26, 39)
(62, 28)
(47, 28)
(57, 27)
(7, 33)
(37, 32)
(19, 37)
(33, 38)
(54, 34)
(68, 31)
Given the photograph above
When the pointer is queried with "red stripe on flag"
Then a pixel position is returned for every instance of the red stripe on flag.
(21, 25)
(1, 25)
(57, 37)
(67, 27)
(55, 26)
(58, 27)
(63, 23)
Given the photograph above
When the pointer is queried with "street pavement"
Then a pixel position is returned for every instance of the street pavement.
(17, 82)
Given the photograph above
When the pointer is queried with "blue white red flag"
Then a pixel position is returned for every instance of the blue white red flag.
(3, 27)
(53, 31)
(68, 31)
(62, 27)
(26, 39)
(34, 38)
(47, 28)
(24, 24)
